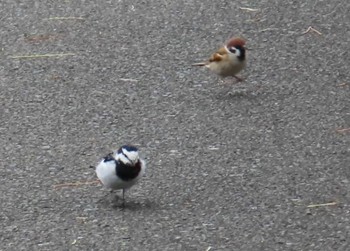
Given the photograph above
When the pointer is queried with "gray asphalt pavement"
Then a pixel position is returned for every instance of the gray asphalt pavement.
(230, 167)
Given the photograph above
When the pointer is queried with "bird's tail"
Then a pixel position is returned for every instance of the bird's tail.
(199, 64)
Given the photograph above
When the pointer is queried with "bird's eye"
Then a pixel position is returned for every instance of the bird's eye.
(232, 49)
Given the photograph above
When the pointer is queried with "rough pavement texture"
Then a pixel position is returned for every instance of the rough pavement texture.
(231, 167)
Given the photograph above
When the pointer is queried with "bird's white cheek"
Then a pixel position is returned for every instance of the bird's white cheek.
(233, 58)
(133, 156)
(122, 158)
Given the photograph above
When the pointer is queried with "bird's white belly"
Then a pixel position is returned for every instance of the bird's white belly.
(226, 69)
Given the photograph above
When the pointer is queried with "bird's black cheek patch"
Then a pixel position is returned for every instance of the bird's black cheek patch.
(128, 172)
(242, 50)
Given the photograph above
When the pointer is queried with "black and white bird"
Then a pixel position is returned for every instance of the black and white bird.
(121, 170)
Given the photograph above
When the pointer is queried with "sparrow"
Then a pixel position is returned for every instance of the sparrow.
(229, 59)
(122, 169)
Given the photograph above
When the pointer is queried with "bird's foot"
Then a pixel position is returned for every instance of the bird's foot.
(239, 79)
(229, 81)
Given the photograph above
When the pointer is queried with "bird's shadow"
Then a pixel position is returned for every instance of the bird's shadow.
(130, 204)
(133, 205)
(236, 93)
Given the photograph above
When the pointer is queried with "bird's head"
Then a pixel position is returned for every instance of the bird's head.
(128, 155)
(235, 46)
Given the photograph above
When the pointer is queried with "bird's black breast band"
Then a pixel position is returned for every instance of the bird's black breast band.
(128, 172)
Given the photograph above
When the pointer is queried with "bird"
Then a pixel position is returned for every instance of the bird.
(228, 60)
(122, 169)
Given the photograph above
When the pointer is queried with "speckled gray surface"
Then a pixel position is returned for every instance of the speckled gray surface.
(229, 167)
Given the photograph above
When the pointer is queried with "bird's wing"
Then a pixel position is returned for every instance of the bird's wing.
(106, 168)
(219, 55)
(108, 157)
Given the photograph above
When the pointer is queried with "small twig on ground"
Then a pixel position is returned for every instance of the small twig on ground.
(64, 18)
(42, 56)
(343, 130)
(343, 84)
(268, 29)
(311, 29)
(249, 9)
(39, 38)
(75, 184)
(128, 79)
(322, 205)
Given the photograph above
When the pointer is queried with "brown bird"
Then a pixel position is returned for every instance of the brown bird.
(228, 60)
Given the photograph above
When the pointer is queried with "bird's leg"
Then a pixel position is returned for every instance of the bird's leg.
(238, 78)
(230, 82)
(123, 197)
